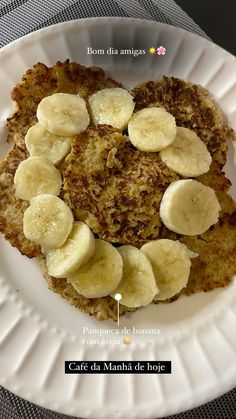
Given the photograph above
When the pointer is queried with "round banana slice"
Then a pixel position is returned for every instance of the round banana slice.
(47, 221)
(63, 114)
(171, 265)
(138, 286)
(187, 155)
(77, 250)
(101, 275)
(189, 207)
(112, 106)
(152, 129)
(41, 142)
(35, 176)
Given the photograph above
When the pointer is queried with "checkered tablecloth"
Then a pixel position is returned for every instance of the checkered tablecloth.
(19, 17)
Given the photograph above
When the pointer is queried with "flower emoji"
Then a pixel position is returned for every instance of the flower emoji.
(161, 50)
(152, 50)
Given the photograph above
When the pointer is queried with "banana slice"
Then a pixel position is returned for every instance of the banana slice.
(63, 114)
(112, 106)
(35, 176)
(171, 265)
(77, 250)
(138, 286)
(187, 155)
(41, 142)
(152, 129)
(47, 221)
(189, 207)
(101, 275)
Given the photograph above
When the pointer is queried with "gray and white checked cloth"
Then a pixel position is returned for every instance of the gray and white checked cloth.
(19, 17)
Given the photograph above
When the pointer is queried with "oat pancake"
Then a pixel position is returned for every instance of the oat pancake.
(38, 82)
(192, 107)
(41, 81)
(213, 268)
(101, 308)
(11, 208)
(216, 263)
(117, 189)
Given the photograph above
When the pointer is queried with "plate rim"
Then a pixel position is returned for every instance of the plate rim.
(91, 21)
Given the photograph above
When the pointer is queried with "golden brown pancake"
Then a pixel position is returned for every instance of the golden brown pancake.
(41, 81)
(11, 208)
(101, 308)
(216, 263)
(213, 268)
(192, 107)
(38, 82)
(117, 189)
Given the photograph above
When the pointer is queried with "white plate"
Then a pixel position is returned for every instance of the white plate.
(39, 330)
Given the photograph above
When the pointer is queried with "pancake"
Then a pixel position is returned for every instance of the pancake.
(192, 107)
(101, 308)
(41, 81)
(216, 263)
(38, 82)
(213, 268)
(11, 208)
(115, 188)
